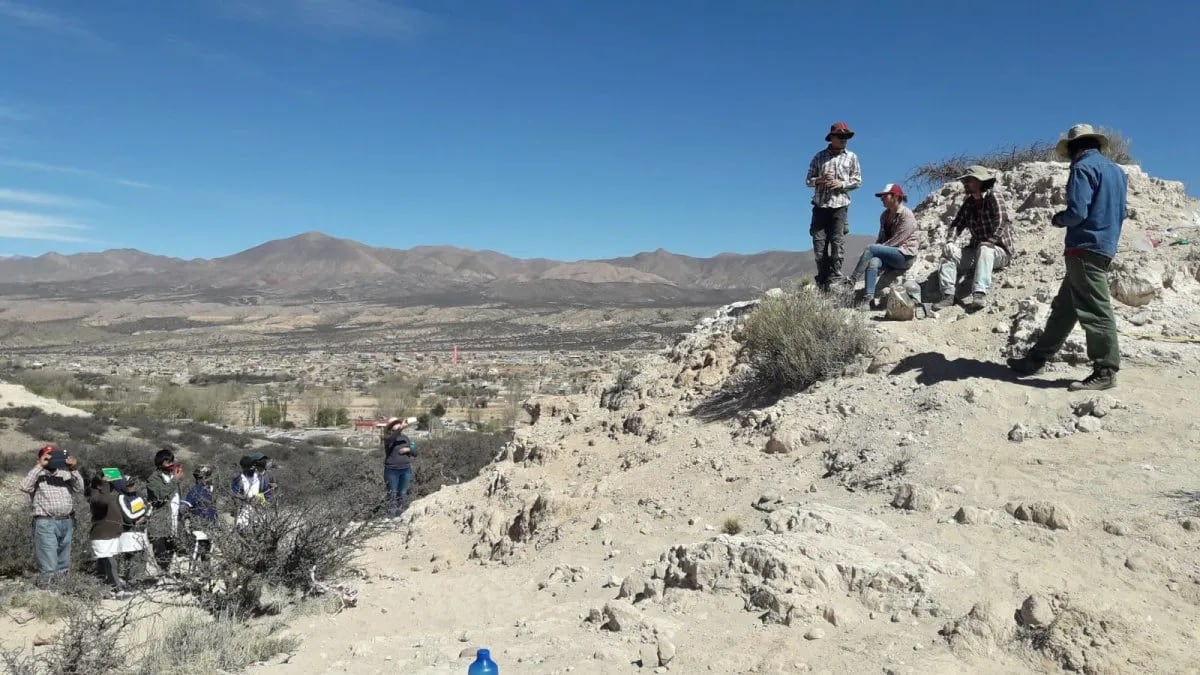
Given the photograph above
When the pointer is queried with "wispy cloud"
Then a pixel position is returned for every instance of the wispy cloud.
(32, 198)
(25, 225)
(72, 171)
(370, 18)
(37, 18)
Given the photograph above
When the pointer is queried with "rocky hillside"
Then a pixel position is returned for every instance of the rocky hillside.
(923, 513)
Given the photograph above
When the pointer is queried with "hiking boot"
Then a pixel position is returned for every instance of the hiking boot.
(946, 301)
(1026, 365)
(1099, 380)
(977, 302)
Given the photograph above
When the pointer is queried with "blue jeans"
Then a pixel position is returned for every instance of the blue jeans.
(983, 259)
(52, 544)
(875, 257)
(398, 481)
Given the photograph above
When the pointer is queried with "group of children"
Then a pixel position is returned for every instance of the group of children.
(127, 519)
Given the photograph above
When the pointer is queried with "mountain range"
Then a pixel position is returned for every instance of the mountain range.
(314, 265)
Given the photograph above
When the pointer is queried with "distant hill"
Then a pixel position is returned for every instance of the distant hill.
(313, 265)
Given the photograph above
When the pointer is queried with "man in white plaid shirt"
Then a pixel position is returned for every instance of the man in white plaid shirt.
(833, 172)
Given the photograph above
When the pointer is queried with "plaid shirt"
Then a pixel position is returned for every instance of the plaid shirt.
(844, 166)
(987, 219)
(899, 230)
(51, 493)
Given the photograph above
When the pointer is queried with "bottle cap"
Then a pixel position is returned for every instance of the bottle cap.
(483, 654)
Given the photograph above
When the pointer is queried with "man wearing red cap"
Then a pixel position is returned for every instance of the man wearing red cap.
(52, 486)
(896, 246)
(833, 173)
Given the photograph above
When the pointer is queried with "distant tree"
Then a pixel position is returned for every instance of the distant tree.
(269, 415)
(343, 417)
(438, 410)
(423, 422)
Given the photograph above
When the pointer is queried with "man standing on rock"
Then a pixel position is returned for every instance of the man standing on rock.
(1096, 208)
(833, 172)
(985, 214)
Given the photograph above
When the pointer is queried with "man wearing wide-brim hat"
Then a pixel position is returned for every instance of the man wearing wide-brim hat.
(1096, 208)
(984, 212)
(833, 173)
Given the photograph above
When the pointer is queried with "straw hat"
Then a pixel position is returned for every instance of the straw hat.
(1075, 133)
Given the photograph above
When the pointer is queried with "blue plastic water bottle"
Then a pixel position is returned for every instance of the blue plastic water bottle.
(484, 665)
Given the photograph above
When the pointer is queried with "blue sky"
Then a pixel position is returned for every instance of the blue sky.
(563, 129)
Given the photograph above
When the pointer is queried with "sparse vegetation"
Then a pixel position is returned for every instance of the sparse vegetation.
(1005, 158)
(797, 339)
(45, 606)
(90, 642)
(933, 174)
(731, 526)
(57, 428)
(196, 644)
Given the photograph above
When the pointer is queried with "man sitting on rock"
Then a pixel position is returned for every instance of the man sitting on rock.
(985, 214)
(896, 246)
(1096, 208)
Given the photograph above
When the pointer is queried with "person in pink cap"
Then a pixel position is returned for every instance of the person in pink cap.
(833, 173)
(895, 247)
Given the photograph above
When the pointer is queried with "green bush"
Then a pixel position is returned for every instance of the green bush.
(796, 339)
(331, 417)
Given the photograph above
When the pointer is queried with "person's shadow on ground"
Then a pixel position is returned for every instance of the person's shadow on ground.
(935, 368)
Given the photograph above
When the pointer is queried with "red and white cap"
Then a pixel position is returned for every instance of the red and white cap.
(891, 189)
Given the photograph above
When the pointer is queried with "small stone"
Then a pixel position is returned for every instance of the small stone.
(43, 639)
(814, 634)
(1035, 612)
(614, 581)
(1018, 433)
(666, 651)
(1116, 528)
(603, 520)
(648, 656)
(973, 515)
(468, 652)
(1190, 524)
(1089, 425)
(915, 498)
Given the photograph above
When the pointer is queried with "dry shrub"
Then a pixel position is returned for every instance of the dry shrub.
(16, 540)
(292, 549)
(933, 175)
(64, 428)
(89, 643)
(731, 526)
(198, 644)
(796, 339)
(1005, 158)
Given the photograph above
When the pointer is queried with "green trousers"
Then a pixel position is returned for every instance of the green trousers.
(1083, 297)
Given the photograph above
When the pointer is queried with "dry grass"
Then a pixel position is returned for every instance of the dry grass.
(43, 605)
(731, 526)
(199, 644)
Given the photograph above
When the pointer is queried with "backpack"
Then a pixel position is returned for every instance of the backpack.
(134, 509)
